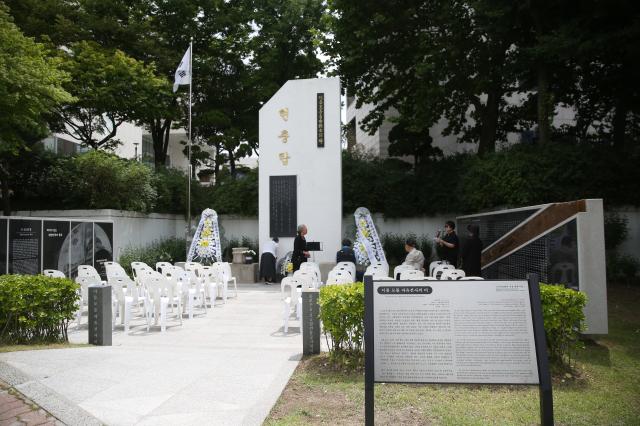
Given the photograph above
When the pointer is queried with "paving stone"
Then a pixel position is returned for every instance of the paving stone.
(15, 412)
(34, 418)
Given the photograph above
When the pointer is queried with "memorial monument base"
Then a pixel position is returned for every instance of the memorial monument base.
(245, 273)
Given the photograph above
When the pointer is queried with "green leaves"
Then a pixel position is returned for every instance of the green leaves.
(35, 308)
(342, 315)
(562, 310)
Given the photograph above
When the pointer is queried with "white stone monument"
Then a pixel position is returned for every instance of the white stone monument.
(301, 166)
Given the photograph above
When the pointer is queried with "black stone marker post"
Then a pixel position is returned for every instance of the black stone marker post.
(100, 315)
(310, 322)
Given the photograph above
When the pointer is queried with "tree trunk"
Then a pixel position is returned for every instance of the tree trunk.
(160, 136)
(620, 124)
(545, 105)
(232, 164)
(489, 129)
(6, 202)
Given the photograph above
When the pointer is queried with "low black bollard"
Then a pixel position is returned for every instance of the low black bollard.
(100, 315)
(310, 322)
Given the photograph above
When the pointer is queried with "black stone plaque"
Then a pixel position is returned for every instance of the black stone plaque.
(100, 315)
(320, 119)
(80, 243)
(53, 237)
(103, 246)
(310, 322)
(3, 246)
(283, 206)
(24, 246)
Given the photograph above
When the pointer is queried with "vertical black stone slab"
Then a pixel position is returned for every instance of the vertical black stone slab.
(310, 322)
(80, 246)
(103, 246)
(55, 253)
(283, 206)
(100, 315)
(25, 246)
(320, 119)
(3, 246)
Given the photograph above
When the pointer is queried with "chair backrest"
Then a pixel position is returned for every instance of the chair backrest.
(53, 273)
(161, 266)
(312, 268)
(412, 274)
(383, 265)
(113, 269)
(137, 267)
(349, 266)
(308, 279)
(398, 269)
(292, 284)
(438, 270)
(452, 274)
(117, 288)
(433, 265)
(88, 271)
(339, 279)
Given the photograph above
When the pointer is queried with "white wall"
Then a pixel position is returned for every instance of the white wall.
(129, 228)
(318, 170)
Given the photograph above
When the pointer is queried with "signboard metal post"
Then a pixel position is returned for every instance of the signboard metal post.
(368, 353)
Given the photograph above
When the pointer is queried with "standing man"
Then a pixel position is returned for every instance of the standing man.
(268, 261)
(449, 244)
(300, 252)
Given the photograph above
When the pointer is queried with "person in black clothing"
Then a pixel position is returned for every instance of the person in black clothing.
(471, 252)
(300, 252)
(346, 253)
(449, 244)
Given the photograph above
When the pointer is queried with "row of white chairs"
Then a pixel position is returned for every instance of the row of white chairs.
(307, 277)
(184, 286)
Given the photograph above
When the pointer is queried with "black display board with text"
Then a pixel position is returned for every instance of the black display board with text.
(283, 207)
(24, 246)
(80, 245)
(103, 246)
(55, 254)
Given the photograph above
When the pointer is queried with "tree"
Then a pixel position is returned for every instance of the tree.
(110, 87)
(430, 60)
(31, 85)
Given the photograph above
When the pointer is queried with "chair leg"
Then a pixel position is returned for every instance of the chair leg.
(127, 315)
(287, 312)
(190, 302)
(299, 309)
(163, 314)
(235, 286)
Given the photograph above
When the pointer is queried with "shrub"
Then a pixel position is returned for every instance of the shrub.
(36, 309)
(168, 250)
(342, 316)
(562, 311)
(622, 268)
(616, 230)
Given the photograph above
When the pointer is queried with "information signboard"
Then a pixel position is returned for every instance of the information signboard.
(24, 246)
(465, 332)
(54, 235)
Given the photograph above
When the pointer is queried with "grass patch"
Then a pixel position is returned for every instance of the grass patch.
(17, 348)
(602, 389)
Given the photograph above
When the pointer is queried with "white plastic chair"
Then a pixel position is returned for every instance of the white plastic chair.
(191, 291)
(211, 277)
(222, 283)
(124, 302)
(137, 268)
(53, 273)
(114, 270)
(313, 268)
(350, 266)
(438, 270)
(289, 298)
(158, 297)
(89, 271)
(228, 276)
(473, 278)
(412, 274)
(379, 264)
(435, 264)
(398, 269)
(452, 274)
(161, 266)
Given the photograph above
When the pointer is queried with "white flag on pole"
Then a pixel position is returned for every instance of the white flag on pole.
(183, 73)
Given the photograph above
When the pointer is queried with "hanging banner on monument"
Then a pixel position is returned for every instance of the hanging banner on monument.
(205, 246)
(368, 236)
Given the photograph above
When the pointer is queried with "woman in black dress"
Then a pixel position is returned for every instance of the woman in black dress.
(300, 252)
(472, 252)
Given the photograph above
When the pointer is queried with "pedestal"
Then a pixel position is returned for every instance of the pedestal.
(310, 322)
(100, 315)
(245, 273)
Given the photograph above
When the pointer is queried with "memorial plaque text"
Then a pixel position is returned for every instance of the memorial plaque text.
(283, 206)
(24, 246)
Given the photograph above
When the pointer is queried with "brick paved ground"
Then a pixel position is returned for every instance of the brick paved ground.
(16, 410)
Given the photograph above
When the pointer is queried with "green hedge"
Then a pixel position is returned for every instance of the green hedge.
(167, 250)
(342, 316)
(36, 309)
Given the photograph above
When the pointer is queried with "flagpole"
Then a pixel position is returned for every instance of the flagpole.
(189, 147)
